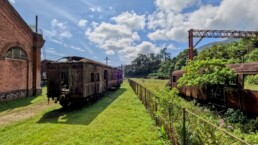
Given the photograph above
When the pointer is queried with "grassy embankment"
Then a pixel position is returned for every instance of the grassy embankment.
(118, 118)
(203, 111)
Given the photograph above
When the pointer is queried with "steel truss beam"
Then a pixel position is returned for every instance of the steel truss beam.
(193, 33)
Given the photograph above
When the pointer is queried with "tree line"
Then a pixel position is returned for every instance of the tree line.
(162, 64)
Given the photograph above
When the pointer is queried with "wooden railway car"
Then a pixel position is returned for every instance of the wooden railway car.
(234, 94)
(74, 81)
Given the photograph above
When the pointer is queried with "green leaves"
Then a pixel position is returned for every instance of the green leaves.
(243, 50)
(252, 79)
(205, 72)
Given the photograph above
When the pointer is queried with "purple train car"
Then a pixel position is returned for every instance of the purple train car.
(74, 81)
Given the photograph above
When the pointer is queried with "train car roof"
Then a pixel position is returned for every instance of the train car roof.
(245, 68)
(177, 72)
(75, 59)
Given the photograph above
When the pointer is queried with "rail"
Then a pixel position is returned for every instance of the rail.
(183, 126)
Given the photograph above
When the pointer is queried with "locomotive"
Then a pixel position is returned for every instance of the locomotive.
(234, 94)
(75, 81)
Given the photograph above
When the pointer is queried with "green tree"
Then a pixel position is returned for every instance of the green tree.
(164, 54)
(234, 52)
(252, 79)
(205, 72)
(253, 56)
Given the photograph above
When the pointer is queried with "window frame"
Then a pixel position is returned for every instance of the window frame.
(22, 54)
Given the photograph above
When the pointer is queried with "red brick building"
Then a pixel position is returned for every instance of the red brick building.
(19, 55)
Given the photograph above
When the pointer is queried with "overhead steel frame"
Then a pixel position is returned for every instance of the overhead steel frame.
(194, 33)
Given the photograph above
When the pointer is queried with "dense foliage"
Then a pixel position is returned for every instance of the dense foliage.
(157, 65)
(143, 65)
(205, 72)
(252, 79)
(235, 52)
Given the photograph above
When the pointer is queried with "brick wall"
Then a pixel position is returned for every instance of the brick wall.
(16, 76)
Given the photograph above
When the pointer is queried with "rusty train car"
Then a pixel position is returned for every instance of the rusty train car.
(234, 94)
(75, 81)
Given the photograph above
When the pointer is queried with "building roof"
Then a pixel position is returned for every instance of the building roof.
(20, 23)
(16, 15)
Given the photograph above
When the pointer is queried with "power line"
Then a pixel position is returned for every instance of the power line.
(106, 59)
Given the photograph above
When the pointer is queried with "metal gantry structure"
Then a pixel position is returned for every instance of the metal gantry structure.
(194, 33)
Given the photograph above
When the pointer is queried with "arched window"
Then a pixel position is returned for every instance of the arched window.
(16, 53)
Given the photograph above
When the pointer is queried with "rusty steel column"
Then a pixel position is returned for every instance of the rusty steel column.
(34, 74)
(190, 49)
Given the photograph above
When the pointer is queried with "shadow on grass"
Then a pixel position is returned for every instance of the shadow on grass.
(10, 105)
(83, 116)
(21, 102)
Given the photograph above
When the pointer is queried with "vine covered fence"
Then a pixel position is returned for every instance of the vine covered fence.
(183, 126)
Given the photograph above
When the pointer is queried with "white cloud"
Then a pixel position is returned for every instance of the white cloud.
(59, 31)
(69, 46)
(175, 5)
(65, 34)
(94, 24)
(110, 52)
(168, 22)
(96, 9)
(170, 46)
(12, 1)
(77, 48)
(131, 52)
(122, 37)
(106, 34)
(82, 23)
(130, 20)
(52, 51)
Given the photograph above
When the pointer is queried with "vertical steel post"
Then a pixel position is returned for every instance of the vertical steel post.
(136, 89)
(190, 50)
(156, 109)
(35, 47)
(184, 129)
(145, 103)
(149, 99)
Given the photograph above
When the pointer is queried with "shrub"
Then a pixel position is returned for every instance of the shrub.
(251, 126)
(235, 116)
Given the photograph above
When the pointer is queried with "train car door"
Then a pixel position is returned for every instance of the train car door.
(216, 94)
(64, 78)
(106, 79)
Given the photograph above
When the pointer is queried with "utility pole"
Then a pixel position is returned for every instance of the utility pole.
(106, 59)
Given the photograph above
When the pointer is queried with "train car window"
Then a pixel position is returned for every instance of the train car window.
(233, 81)
(92, 77)
(105, 74)
(113, 75)
(250, 82)
(97, 77)
(174, 79)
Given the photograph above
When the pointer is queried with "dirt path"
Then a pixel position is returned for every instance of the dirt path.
(24, 113)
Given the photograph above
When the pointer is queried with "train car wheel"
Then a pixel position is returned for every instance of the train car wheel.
(65, 103)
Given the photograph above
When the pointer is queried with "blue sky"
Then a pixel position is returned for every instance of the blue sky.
(123, 29)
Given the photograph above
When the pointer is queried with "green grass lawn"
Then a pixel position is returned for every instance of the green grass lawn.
(118, 118)
(152, 84)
